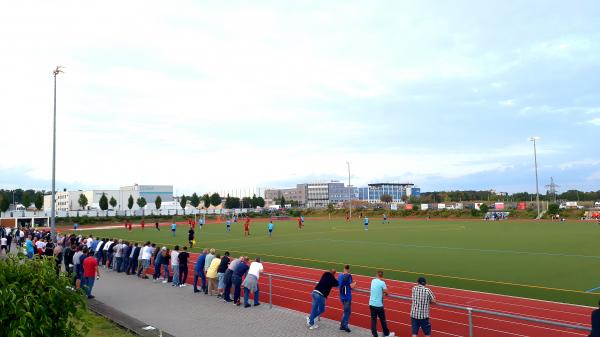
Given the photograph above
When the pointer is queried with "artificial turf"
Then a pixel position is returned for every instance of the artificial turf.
(557, 261)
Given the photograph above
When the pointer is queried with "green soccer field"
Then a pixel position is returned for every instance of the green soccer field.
(545, 260)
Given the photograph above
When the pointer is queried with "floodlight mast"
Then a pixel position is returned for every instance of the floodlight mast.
(55, 72)
(537, 191)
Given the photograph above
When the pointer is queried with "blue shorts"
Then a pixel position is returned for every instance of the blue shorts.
(420, 323)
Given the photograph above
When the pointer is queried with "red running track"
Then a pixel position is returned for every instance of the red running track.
(296, 295)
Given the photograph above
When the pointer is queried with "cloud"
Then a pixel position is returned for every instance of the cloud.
(594, 121)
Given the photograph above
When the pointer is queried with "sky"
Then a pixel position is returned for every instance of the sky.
(218, 95)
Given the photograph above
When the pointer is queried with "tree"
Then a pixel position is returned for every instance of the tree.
(130, 202)
(183, 201)
(553, 209)
(215, 199)
(195, 200)
(157, 202)
(386, 198)
(103, 203)
(38, 201)
(4, 203)
(113, 202)
(247, 202)
(141, 202)
(26, 201)
(206, 200)
(260, 202)
(40, 302)
(83, 201)
(484, 208)
(254, 200)
(232, 202)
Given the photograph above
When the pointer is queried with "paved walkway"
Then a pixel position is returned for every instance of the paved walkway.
(184, 314)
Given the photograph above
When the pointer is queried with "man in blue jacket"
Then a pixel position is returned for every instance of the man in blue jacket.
(199, 271)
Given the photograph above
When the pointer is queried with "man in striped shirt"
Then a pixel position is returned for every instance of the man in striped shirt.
(422, 297)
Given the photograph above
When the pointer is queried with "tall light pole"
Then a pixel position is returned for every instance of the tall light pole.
(349, 191)
(537, 191)
(56, 71)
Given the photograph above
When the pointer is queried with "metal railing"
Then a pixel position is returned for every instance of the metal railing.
(468, 310)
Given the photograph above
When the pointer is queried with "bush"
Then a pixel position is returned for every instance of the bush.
(35, 302)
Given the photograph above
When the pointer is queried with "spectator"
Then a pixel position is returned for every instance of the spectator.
(236, 279)
(346, 286)
(133, 259)
(199, 271)
(146, 254)
(90, 270)
(125, 256)
(227, 278)
(422, 297)
(209, 257)
(119, 255)
(221, 273)
(165, 256)
(29, 247)
(175, 266)
(596, 322)
(100, 250)
(183, 267)
(157, 264)
(251, 282)
(211, 274)
(68, 254)
(319, 295)
(3, 244)
(378, 290)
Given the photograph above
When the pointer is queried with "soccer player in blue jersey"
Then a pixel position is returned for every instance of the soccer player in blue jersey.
(228, 225)
(366, 223)
(270, 228)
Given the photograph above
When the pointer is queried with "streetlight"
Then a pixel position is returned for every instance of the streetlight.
(349, 191)
(56, 71)
(537, 192)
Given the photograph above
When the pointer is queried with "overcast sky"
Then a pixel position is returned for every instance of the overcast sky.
(218, 95)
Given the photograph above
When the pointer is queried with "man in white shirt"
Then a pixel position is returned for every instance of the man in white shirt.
(3, 244)
(146, 254)
(251, 282)
(175, 266)
(107, 254)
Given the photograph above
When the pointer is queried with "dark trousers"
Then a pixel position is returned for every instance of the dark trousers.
(183, 274)
(196, 282)
(378, 312)
(237, 287)
(227, 282)
(132, 265)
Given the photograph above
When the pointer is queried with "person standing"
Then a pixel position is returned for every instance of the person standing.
(228, 225)
(156, 226)
(165, 256)
(247, 227)
(209, 257)
(236, 279)
(378, 290)
(90, 271)
(200, 222)
(183, 267)
(29, 247)
(299, 223)
(346, 285)
(129, 225)
(366, 222)
(119, 255)
(251, 282)
(385, 219)
(173, 227)
(270, 228)
(75, 226)
(199, 271)
(596, 322)
(221, 273)
(191, 237)
(211, 275)
(302, 219)
(142, 224)
(146, 253)
(319, 295)
(227, 278)
(422, 297)
(175, 266)
(133, 259)
(3, 244)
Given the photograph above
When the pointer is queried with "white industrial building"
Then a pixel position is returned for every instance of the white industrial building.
(69, 200)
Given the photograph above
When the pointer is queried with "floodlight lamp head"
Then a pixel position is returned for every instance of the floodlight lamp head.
(532, 139)
(58, 70)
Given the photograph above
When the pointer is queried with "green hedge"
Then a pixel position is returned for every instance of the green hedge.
(36, 302)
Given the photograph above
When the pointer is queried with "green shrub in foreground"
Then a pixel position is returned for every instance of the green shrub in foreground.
(35, 302)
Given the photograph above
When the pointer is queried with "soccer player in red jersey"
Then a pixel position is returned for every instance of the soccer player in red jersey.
(247, 227)
(142, 223)
(129, 225)
(299, 223)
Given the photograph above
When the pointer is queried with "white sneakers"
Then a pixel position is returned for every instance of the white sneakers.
(165, 281)
(391, 334)
(314, 326)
